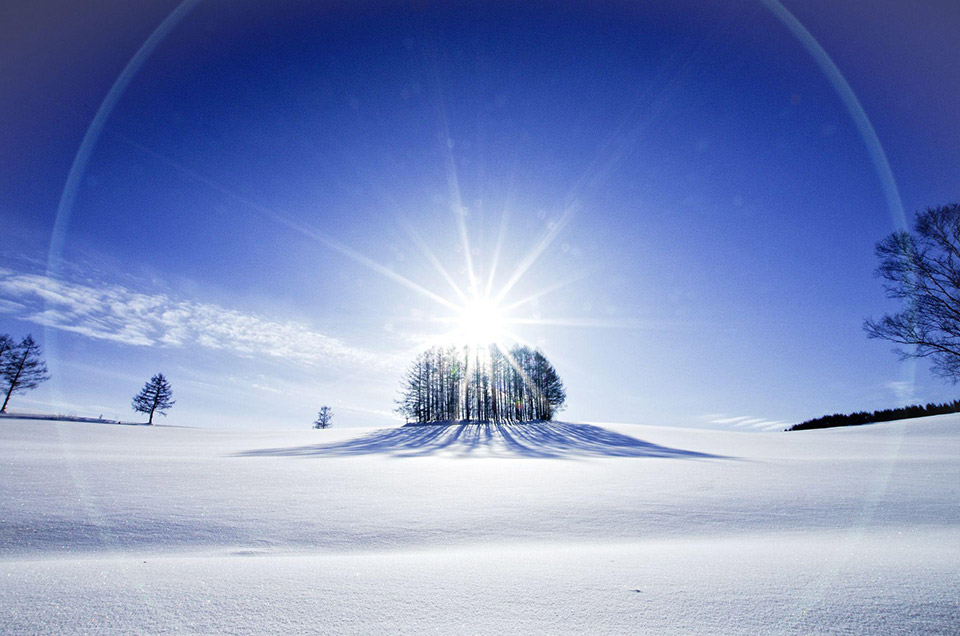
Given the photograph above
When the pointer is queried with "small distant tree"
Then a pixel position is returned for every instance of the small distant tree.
(155, 397)
(324, 418)
(22, 367)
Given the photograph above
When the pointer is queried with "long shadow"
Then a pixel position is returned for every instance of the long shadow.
(534, 439)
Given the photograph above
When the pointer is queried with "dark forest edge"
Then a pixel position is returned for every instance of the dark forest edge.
(885, 415)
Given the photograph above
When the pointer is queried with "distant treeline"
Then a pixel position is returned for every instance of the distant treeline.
(886, 415)
(480, 384)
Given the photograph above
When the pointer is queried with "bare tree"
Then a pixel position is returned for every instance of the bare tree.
(324, 418)
(922, 268)
(22, 367)
(155, 396)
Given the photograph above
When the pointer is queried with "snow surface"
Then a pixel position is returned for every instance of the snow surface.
(548, 528)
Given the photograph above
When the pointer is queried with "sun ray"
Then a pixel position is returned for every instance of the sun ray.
(453, 184)
(432, 258)
(543, 292)
(466, 302)
(495, 257)
(510, 336)
(299, 228)
(579, 322)
(527, 382)
(461, 214)
(384, 271)
(535, 253)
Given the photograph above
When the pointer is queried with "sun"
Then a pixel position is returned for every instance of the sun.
(480, 322)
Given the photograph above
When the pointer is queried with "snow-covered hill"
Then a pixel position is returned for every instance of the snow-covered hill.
(552, 528)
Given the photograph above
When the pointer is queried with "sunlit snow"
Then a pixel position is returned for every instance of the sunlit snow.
(549, 528)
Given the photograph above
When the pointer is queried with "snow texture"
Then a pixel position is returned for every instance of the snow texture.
(480, 529)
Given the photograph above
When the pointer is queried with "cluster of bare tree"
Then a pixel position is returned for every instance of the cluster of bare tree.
(481, 383)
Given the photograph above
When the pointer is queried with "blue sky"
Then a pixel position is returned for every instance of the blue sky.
(266, 192)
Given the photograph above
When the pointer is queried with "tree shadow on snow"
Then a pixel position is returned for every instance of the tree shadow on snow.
(535, 439)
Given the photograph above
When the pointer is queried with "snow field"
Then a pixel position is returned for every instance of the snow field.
(487, 530)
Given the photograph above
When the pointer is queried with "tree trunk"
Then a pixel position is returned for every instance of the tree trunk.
(13, 383)
(156, 400)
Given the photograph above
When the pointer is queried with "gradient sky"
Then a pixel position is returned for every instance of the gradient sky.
(253, 198)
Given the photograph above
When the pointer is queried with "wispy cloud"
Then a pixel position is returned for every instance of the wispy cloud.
(118, 314)
(748, 422)
(905, 391)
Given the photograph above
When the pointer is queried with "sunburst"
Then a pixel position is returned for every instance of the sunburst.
(478, 313)
(480, 322)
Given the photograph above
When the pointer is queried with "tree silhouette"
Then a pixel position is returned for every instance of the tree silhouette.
(155, 396)
(480, 383)
(922, 268)
(22, 368)
(324, 418)
(7, 345)
(884, 415)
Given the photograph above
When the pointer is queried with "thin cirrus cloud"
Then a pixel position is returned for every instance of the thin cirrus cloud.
(745, 421)
(117, 314)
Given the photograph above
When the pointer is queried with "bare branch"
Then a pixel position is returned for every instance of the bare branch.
(922, 268)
